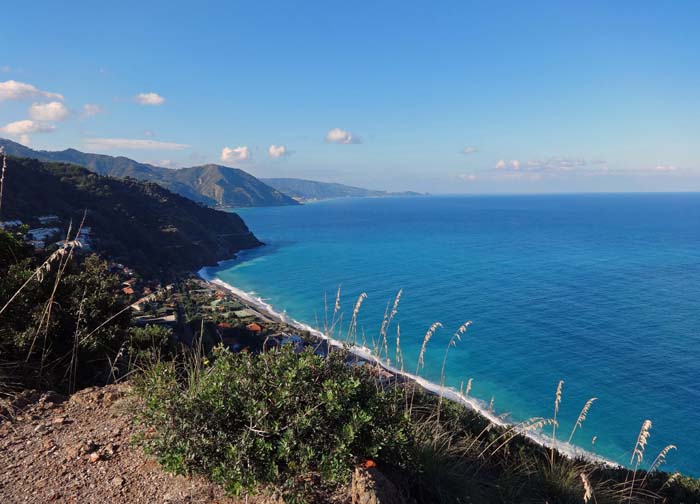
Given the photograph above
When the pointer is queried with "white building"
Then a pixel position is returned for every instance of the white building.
(48, 219)
(10, 224)
(41, 235)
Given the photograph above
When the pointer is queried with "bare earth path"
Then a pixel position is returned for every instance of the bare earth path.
(80, 450)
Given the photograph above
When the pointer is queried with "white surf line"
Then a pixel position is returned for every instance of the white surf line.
(480, 407)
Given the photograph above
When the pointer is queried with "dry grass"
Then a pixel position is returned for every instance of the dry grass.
(557, 402)
(581, 417)
(587, 489)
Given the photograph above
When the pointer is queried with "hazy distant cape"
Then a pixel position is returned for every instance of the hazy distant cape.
(306, 190)
(213, 185)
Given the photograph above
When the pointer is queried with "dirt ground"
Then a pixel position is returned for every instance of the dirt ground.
(80, 449)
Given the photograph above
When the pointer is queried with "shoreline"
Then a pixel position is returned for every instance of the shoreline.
(265, 310)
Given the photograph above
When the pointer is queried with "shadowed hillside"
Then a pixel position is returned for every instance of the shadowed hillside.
(213, 185)
(140, 224)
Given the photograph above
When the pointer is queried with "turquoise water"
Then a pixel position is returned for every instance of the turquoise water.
(602, 291)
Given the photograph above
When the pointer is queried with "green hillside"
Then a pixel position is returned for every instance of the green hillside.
(213, 185)
(140, 224)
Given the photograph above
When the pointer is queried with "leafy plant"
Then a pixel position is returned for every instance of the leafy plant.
(277, 417)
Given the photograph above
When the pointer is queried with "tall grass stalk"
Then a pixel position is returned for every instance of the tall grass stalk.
(386, 323)
(528, 425)
(45, 267)
(456, 337)
(421, 356)
(73, 367)
(638, 452)
(581, 417)
(399, 355)
(469, 387)
(352, 330)
(587, 489)
(557, 402)
(658, 461)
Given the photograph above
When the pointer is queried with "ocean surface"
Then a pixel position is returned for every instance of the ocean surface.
(602, 291)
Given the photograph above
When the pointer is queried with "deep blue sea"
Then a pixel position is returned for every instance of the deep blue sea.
(602, 291)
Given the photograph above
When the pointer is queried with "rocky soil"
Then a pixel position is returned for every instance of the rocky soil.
(55, 449)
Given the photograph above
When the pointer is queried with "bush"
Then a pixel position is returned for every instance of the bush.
(297, 421)
(63, 328)
(149, 344)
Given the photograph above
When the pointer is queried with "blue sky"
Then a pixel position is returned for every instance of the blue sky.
(430, 96)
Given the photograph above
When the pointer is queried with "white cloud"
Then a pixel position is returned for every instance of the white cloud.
(552, 165)
(236, 154)
(149, 99)
(467, 177)
(276, 151)
(26, 127)
(52, 111)
(13, 90)
(5, 69)
(90, 110)
(469, 150)
(337, 135)
(104, 144)
(666, 168)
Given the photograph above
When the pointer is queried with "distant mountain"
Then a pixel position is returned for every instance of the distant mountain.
(307, 190)
(213, 185)
(157, 232)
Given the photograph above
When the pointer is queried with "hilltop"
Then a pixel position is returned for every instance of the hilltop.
(211, 184)
(157, 232)
(309, 190)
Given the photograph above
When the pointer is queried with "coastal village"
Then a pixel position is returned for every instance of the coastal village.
(202, 313)
(195, 311)
(43, 231)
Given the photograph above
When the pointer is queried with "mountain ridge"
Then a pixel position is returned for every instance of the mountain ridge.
(211, 184)
(311, 190)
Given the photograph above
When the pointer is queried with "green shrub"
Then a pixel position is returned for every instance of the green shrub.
(63, 329)
(296, 421)
(148, 345)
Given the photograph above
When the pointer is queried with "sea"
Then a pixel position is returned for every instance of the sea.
(599, 290)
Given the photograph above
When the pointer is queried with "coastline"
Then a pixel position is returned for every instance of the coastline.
(267, 311)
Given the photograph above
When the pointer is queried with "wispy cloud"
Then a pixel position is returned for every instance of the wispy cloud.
(107, 144)
(241, 153)
(468, 177)
(469, 150)
(153, 99)
(277, 151)
(52, 111)
(537, 169)
(13, 90)
(5, 68)
(340, 136)
(91, 110)
(550, 165)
